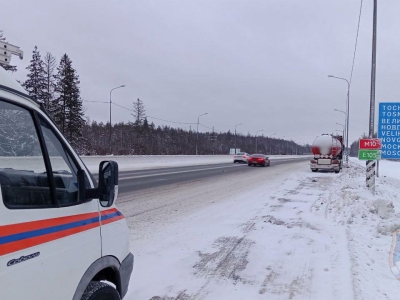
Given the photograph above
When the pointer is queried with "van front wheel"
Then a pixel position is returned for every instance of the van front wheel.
(97, 290)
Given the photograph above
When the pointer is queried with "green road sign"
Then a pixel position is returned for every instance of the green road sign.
(369, 154)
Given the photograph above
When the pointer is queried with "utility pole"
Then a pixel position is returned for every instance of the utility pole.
(370, 174)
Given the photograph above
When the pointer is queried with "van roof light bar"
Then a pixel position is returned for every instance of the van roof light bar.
(6, 50)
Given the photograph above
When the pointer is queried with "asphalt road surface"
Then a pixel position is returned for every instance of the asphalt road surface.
(130, 181)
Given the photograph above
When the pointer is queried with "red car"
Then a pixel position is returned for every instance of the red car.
(258, 159)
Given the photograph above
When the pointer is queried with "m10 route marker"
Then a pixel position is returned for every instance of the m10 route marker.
(370, 150)
(370, 144)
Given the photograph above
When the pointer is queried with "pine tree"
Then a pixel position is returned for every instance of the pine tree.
(139, 113)
(49, 67)
(69, 110)
(6, 67)
(36, 83)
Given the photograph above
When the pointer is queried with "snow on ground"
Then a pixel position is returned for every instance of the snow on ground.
(388, 168)
(279, 233)
(139, 162)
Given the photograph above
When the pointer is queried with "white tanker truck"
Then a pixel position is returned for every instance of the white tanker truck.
(328, 153)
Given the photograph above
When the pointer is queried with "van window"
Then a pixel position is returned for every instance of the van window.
(63, 168)
(23, 178)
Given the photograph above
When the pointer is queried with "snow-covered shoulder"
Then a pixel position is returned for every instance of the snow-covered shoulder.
(290, 234)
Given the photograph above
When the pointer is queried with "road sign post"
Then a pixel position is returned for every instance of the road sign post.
(370, 174)
(370, 151)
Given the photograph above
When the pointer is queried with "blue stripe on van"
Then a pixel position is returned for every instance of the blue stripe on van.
(54, 229)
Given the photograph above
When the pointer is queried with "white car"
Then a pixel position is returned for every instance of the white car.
(241, 157)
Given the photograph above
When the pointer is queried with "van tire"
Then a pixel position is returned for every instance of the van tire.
(97, 290)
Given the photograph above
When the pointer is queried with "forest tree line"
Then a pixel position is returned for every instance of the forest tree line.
(146, 138)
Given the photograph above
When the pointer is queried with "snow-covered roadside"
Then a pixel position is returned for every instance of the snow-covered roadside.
(388, 168)
(291, 234)
(140, 162)
(369, 222)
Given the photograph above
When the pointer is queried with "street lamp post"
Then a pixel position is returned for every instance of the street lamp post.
(281, 148)
(256, 137)
(345, 122)
(270, 146)
(342, 126)
(197, 136)
(235, 134)
(347, 115)
(121, 86)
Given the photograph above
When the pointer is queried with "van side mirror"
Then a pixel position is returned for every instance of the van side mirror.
(108, 183)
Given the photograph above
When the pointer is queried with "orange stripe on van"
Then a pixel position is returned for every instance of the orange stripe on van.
(112, 220)
(31, 242)
(33, 225)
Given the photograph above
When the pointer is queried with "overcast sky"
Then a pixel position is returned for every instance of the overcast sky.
(261, 63)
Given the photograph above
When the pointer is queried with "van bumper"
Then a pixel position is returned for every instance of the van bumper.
(125, 272)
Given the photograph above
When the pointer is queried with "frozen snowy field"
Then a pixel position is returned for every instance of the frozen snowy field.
(279, 233)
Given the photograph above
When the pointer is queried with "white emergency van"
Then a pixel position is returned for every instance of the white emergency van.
(61, 235)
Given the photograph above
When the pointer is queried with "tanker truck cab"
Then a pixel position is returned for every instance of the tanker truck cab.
(61, 235)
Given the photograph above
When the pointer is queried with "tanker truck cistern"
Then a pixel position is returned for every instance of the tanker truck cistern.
(328, 153)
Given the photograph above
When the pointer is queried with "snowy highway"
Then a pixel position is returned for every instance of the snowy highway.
(130, 181)
(262, 233)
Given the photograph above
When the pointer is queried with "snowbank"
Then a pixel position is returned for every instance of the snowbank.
(370, 221)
